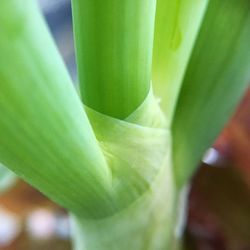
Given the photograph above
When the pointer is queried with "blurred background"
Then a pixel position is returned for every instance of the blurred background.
(219, 201)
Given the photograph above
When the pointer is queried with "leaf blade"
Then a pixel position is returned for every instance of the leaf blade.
(217, 76)
(46, 137)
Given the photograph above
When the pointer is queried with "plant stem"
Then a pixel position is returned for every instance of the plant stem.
(114, 41)
(176, 28)
(148, 224)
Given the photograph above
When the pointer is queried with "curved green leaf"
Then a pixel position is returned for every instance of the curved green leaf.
(45, 136)
(217, 76)
(176, 27)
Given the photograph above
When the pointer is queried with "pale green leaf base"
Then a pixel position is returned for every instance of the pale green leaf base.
(148, 224)
(139, 154)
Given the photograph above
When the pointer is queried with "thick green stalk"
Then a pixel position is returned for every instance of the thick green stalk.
(176, 28)
(114, 50)
(217, 76)
(147, 224)
(114, 41)
(139, 152)
(45, 134)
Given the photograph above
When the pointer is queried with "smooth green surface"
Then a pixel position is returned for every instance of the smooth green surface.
(45, 134)
(114, 41)
(46, 137)
(216, 78)
(176, 27)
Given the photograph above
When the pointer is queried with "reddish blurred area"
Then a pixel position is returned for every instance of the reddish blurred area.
(234, 142)
(219, 202)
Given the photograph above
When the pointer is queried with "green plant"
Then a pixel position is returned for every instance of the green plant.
(119, 162)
